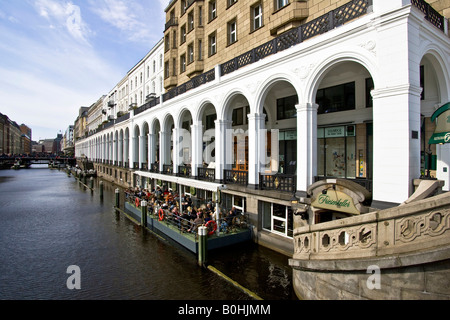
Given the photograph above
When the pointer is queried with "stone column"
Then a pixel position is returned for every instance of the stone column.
(196, 147)
(306, 145)
(256, 147)
(223, 146)
(132, 152)
(141, 150)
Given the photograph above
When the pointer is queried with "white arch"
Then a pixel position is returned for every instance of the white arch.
(319, 72)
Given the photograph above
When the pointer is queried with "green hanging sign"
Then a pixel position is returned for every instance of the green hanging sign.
(442, 132)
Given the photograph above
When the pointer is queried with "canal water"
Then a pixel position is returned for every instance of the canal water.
(49, 222)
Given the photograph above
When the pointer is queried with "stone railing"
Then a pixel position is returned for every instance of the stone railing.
(407, 229)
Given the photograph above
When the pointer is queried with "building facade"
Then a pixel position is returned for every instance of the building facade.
(14, 139)
(264, 99)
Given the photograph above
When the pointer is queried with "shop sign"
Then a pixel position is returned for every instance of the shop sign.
(336, 132)
(336, 201)
(287, 135)
(442, 132)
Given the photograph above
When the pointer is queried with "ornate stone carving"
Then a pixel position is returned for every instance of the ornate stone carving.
(369, 45)
(423, 226)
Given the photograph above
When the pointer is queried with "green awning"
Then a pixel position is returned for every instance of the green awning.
(442, 132)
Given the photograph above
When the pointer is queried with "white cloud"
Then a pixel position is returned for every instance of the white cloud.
(135, 22)
(64, 14)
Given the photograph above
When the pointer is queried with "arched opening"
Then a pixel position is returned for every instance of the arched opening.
(236, 112)
(434, 154)
(185, 139)
(344, 123)
(135, 154)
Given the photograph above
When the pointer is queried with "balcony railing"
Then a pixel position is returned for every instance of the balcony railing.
(279, 182)
(167, 169)
(206, 174)
(184, 171)
(172, 22)
(430, 14)
(320, 25)
(154, 167)
(236, 177)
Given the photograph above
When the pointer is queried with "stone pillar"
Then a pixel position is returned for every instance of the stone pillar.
(141, 150)
(151, 149)
(224, 146)
(164, 149)
(306, 145)
(177, 156)
(196, 147)
(256, 147)
(132, 152)
(396, 108)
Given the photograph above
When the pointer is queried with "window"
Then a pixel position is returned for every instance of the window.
(229, 201)
(182, 63)
(280, 4)
(238, 116)
(200, 50)
(212, 10)
(167, 43)
(256, 16)
(232, 32)
(337, 98)
(183, 34)
(191, 21)
(212, 44)
(174, 65)
(286, 107)
(174, 36)
(190, 53)
(277, 218)
(369, 87)
(200, 16)
(230, 3)
(422, 83)
(337, 151)
(166, 70)
(183, 6)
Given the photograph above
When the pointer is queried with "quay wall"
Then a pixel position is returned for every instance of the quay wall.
(399, 253)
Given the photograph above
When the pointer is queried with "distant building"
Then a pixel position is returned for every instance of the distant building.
(12, 140)
(67, 142)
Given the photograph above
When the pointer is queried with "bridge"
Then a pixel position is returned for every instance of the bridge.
(7, 162)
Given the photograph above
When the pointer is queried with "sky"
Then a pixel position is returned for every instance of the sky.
(57, 55)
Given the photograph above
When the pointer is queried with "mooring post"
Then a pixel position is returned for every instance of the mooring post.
(101, 189)
(202, 241)
(144, 213)
(117, 197)
(91, 183)
(84, 178)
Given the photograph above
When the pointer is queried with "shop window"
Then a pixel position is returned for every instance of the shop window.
(286, 107)
(337, 152)
(337, 98)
